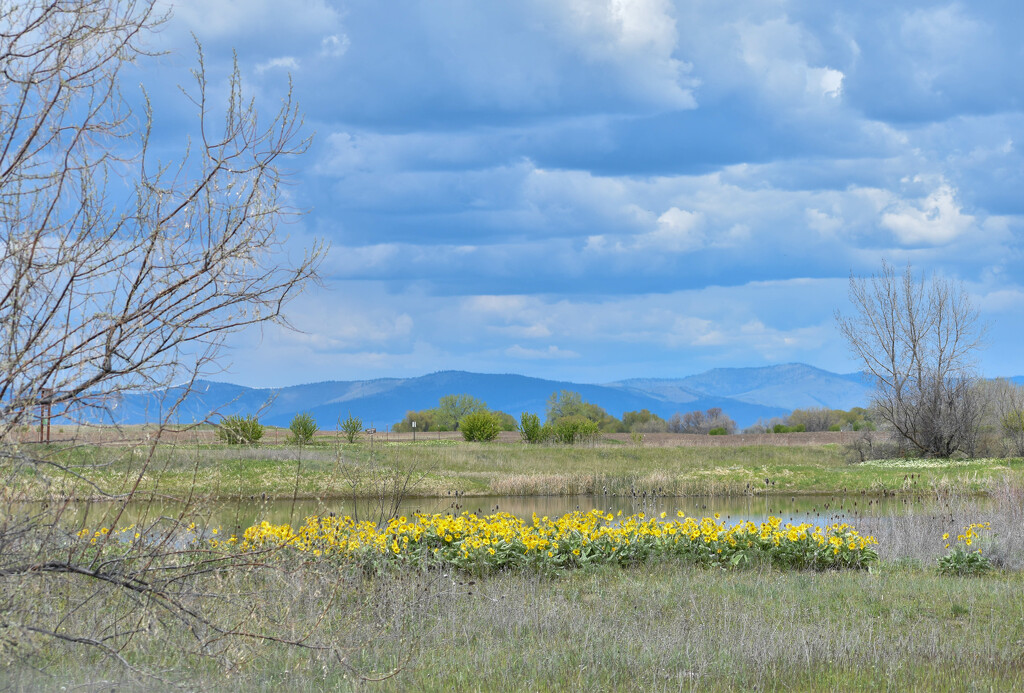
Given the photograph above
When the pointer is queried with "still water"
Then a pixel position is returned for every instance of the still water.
(235, 516)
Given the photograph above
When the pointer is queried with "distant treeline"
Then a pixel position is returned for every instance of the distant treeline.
(452, 409)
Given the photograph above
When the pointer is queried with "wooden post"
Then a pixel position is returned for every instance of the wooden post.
(45, 414)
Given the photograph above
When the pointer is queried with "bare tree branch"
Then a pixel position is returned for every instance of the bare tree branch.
(917, 340)
(120, 272)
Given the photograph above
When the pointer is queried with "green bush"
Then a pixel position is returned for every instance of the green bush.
(239, 430)
(719, 431)
(480, 426)
(303, 428)
(782, 428)
(570, 430)
(530, 428)
(352, 427)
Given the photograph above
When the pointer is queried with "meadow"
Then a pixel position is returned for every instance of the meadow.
(652, 626)
(494, 602)
(444, 467)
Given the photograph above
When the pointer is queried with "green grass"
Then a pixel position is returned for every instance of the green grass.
(651, 627)
(501, 469)
(656, 626)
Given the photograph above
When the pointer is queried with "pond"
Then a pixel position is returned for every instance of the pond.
(237, 515)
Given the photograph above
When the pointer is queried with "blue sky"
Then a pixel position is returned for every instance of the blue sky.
(591, 190)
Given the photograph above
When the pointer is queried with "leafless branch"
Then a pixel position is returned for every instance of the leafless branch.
(917, 339)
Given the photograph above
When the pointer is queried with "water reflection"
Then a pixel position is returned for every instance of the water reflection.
(235, 516)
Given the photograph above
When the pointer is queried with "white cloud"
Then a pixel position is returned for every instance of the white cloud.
(822, 223)
(639, 39)
(552, 352)
(935, 220)
(829, 81)
(286, 62)
(334, 46)
(778, 52)
(346, 260)
(1007, 300)
(678, 232)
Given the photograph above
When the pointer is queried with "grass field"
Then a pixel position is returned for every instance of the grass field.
(650, 627)
(434, 468)
(656, 625)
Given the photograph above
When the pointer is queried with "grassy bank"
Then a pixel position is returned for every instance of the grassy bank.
(651, 627)
(439, 468)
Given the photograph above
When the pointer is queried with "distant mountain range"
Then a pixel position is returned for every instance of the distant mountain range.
(745, 394)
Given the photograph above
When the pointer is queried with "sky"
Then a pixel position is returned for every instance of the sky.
(595, 190)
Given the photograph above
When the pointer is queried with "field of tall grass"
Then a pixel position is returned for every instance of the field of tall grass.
(653, 626)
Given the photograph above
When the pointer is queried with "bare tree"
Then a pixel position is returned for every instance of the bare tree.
(109, 286)
(702, 422)
(119, 272)
(917, 339)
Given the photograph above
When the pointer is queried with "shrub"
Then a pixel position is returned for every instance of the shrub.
(719, 431)
(643, 421)
(239, 430)
(352, 427)
(481, 426)
(530, 428)
(303, 428)
(782, 428)
(574, 429)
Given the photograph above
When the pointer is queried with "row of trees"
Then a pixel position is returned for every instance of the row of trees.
(451, 411)
(817, 419)
(568, 418)
(449, 414)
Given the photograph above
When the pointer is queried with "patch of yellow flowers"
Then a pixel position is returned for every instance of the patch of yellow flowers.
(484, 543)
(971, 532)
(961, 559)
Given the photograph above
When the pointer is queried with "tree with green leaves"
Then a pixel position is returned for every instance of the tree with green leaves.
(643, 421)
(240, 430)
(452, 408)
(531, 430)
(303, 428)
(352, 426)
(569, 403)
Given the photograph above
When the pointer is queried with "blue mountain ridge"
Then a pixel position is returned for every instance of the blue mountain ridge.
(745, 394)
